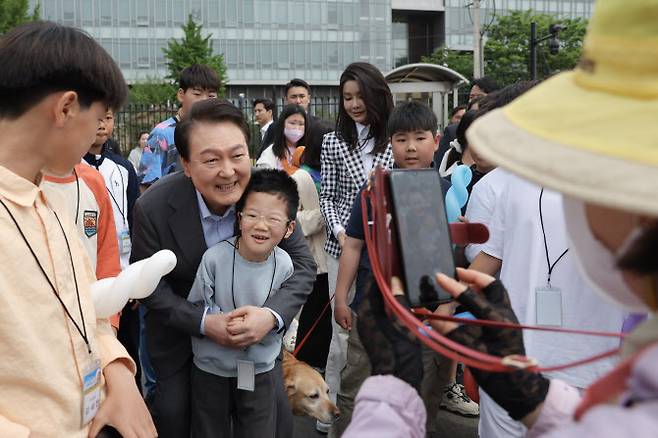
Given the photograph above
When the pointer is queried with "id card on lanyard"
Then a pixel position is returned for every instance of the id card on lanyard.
(91, 390)
(548, 299)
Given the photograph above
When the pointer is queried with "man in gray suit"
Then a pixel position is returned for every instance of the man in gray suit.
(187, 212)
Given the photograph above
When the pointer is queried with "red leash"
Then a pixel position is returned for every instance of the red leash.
(310, 331)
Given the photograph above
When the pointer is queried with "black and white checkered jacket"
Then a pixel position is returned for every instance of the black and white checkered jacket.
(343, 176)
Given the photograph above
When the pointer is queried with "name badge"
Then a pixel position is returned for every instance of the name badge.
(91, 391)
(124, 242)
(549, 306)
(246, 375)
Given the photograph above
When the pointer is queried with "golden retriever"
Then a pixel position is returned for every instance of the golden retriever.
(307, 390)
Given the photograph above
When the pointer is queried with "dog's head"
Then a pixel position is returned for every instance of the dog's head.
(308, 392)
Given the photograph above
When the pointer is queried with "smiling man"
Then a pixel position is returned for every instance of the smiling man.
(188, 212)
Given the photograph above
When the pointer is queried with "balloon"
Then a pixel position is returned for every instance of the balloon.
(136, 282)
(457, 195)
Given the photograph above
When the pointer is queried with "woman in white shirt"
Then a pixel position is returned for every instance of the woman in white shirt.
(359, 144)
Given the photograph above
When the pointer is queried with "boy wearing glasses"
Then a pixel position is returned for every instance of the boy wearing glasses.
(231, 385)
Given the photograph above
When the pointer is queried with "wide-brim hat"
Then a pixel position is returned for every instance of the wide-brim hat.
(591, 133)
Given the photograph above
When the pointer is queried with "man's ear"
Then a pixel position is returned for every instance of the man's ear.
(179, 95)
(437, 140)
(186, 167)
(289, 229)
(66, 107)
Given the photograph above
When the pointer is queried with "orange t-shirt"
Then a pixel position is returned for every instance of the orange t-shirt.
(85, 193)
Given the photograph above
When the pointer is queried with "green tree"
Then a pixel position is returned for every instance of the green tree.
(507, 53)
(152, 91)
(507, 48)
(459, 61)
(193, 49)
(15, 12)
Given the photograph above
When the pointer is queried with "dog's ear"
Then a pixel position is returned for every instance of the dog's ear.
(291, 388)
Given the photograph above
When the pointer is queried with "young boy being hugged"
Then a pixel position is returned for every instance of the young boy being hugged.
(235, 385)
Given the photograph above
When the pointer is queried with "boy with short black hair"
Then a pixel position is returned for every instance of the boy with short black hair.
(55, 85)
(160, 157)
(412, 128)
(236, 385)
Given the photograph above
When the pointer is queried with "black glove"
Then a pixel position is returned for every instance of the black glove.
(518, 392)
(392, 349)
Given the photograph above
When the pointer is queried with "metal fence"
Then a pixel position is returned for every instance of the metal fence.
(136, 118)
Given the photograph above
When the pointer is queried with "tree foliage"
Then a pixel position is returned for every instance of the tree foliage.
(15, 12)
(507, 53)
(458, 60)
(193, 48)
(507, 48)
(152, 91)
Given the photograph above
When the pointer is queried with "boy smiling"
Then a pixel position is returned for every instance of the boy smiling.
(231, 384)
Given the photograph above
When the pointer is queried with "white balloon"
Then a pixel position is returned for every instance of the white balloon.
(137, 281)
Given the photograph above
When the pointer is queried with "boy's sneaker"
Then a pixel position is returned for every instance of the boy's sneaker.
(455, 400)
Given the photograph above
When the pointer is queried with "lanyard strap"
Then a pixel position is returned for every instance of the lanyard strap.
(123, 192)
(543, 232)
(77, 203)
(233, 275)
(83, 331)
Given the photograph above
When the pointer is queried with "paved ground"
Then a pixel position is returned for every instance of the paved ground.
(451, 426)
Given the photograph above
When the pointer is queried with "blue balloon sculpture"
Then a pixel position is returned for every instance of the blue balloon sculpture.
(457, 195)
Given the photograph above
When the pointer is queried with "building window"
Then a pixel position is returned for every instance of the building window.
(125, 60)
(160, 15)
(86, 13)
(178, 15)
(332, 15)
(143, 59)
(283, 55)
(123, 9)
(400, 43)
(265, 54)
(68, 12)
(105, 8)
(142, 13)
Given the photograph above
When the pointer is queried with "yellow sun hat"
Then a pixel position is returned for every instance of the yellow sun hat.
(591, 133)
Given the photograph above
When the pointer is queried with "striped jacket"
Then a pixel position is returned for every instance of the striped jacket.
(343, 175)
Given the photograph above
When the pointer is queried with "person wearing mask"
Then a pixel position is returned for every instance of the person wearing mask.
(289, 134)
(571, 146)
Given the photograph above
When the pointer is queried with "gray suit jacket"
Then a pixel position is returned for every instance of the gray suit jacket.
(167, 217)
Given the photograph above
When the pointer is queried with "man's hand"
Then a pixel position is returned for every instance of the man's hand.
(249, 324)
(123, 407)
(215, 329)
(343, 316)
(341, 238)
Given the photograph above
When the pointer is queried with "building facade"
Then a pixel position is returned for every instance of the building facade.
(267, 42)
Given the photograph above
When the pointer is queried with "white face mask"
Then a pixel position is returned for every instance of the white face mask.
(293, 135)
(596, 262)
